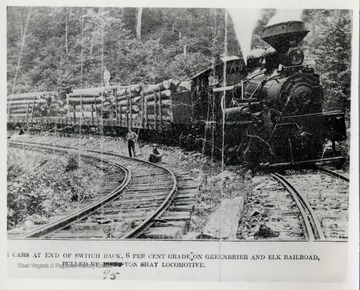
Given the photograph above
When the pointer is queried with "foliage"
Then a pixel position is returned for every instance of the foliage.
(72, 162)
(71, 46)
(328, 49)
(38, 188)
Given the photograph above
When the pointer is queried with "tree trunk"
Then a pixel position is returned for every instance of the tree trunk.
(138, 24)
(66, 31)
(93, 36)
(92, 42)
(21, 23)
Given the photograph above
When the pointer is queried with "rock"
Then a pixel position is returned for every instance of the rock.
(191, 236)
(11, 212)
(255, 212)
(38, 220)
(103, 221)
(336, 206)
(28, 223)
(195, 221)
(224, 222)
(196, 155)
(223, 175)
(203, 208)
(266, 232)
(259, 186)
(202, 182)
(204, 205)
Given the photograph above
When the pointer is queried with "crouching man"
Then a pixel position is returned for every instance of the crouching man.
(155, 156)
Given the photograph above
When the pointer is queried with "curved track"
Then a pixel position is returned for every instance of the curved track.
(311, 224)
(128, 211)
(323, 201)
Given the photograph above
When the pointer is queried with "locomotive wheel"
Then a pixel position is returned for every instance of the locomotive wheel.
(190, 143)
(182, 140)
(248, 154)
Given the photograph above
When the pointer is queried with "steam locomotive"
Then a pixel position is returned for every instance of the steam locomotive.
(267, 111)
(272, 107)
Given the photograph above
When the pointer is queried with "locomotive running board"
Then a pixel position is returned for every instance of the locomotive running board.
(307, 162)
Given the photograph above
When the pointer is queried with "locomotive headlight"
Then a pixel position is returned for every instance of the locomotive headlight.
(295, 57)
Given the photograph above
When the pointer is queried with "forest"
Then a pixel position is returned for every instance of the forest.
(49, 48)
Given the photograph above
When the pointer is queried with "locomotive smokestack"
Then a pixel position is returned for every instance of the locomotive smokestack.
(284, 35)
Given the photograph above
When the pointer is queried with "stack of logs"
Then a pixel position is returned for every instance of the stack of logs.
(137, 104)
(29, 105)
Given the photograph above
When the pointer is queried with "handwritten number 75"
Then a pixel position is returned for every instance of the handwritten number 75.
(110, 275)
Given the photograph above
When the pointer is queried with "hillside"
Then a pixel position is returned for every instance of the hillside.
(50, 48)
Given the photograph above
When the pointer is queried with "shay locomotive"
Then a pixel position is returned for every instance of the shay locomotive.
(267, 111)
(272, 107)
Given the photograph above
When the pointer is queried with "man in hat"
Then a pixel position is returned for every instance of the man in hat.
(131, 138)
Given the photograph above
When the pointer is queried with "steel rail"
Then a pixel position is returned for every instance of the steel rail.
(333, 173)
(143, 226)
(82, 213)
(313, 230)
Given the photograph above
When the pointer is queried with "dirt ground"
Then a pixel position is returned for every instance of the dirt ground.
(214, 184)
(265, 204)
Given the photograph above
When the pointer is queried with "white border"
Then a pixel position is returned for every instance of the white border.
(354, 198)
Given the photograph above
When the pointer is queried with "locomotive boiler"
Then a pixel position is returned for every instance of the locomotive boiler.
(268, 111)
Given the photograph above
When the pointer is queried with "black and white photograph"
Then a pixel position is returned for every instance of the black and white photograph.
(180, 143)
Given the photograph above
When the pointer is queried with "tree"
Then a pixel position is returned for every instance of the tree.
(328, 49)
(138, 24)
(70, 46)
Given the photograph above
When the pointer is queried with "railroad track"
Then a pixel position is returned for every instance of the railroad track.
(334, 173)
(311, 224)
(151, 202)
(323, 201)
(271, 205)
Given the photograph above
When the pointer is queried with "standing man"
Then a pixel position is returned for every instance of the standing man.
(106, 78)
(131, 137)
